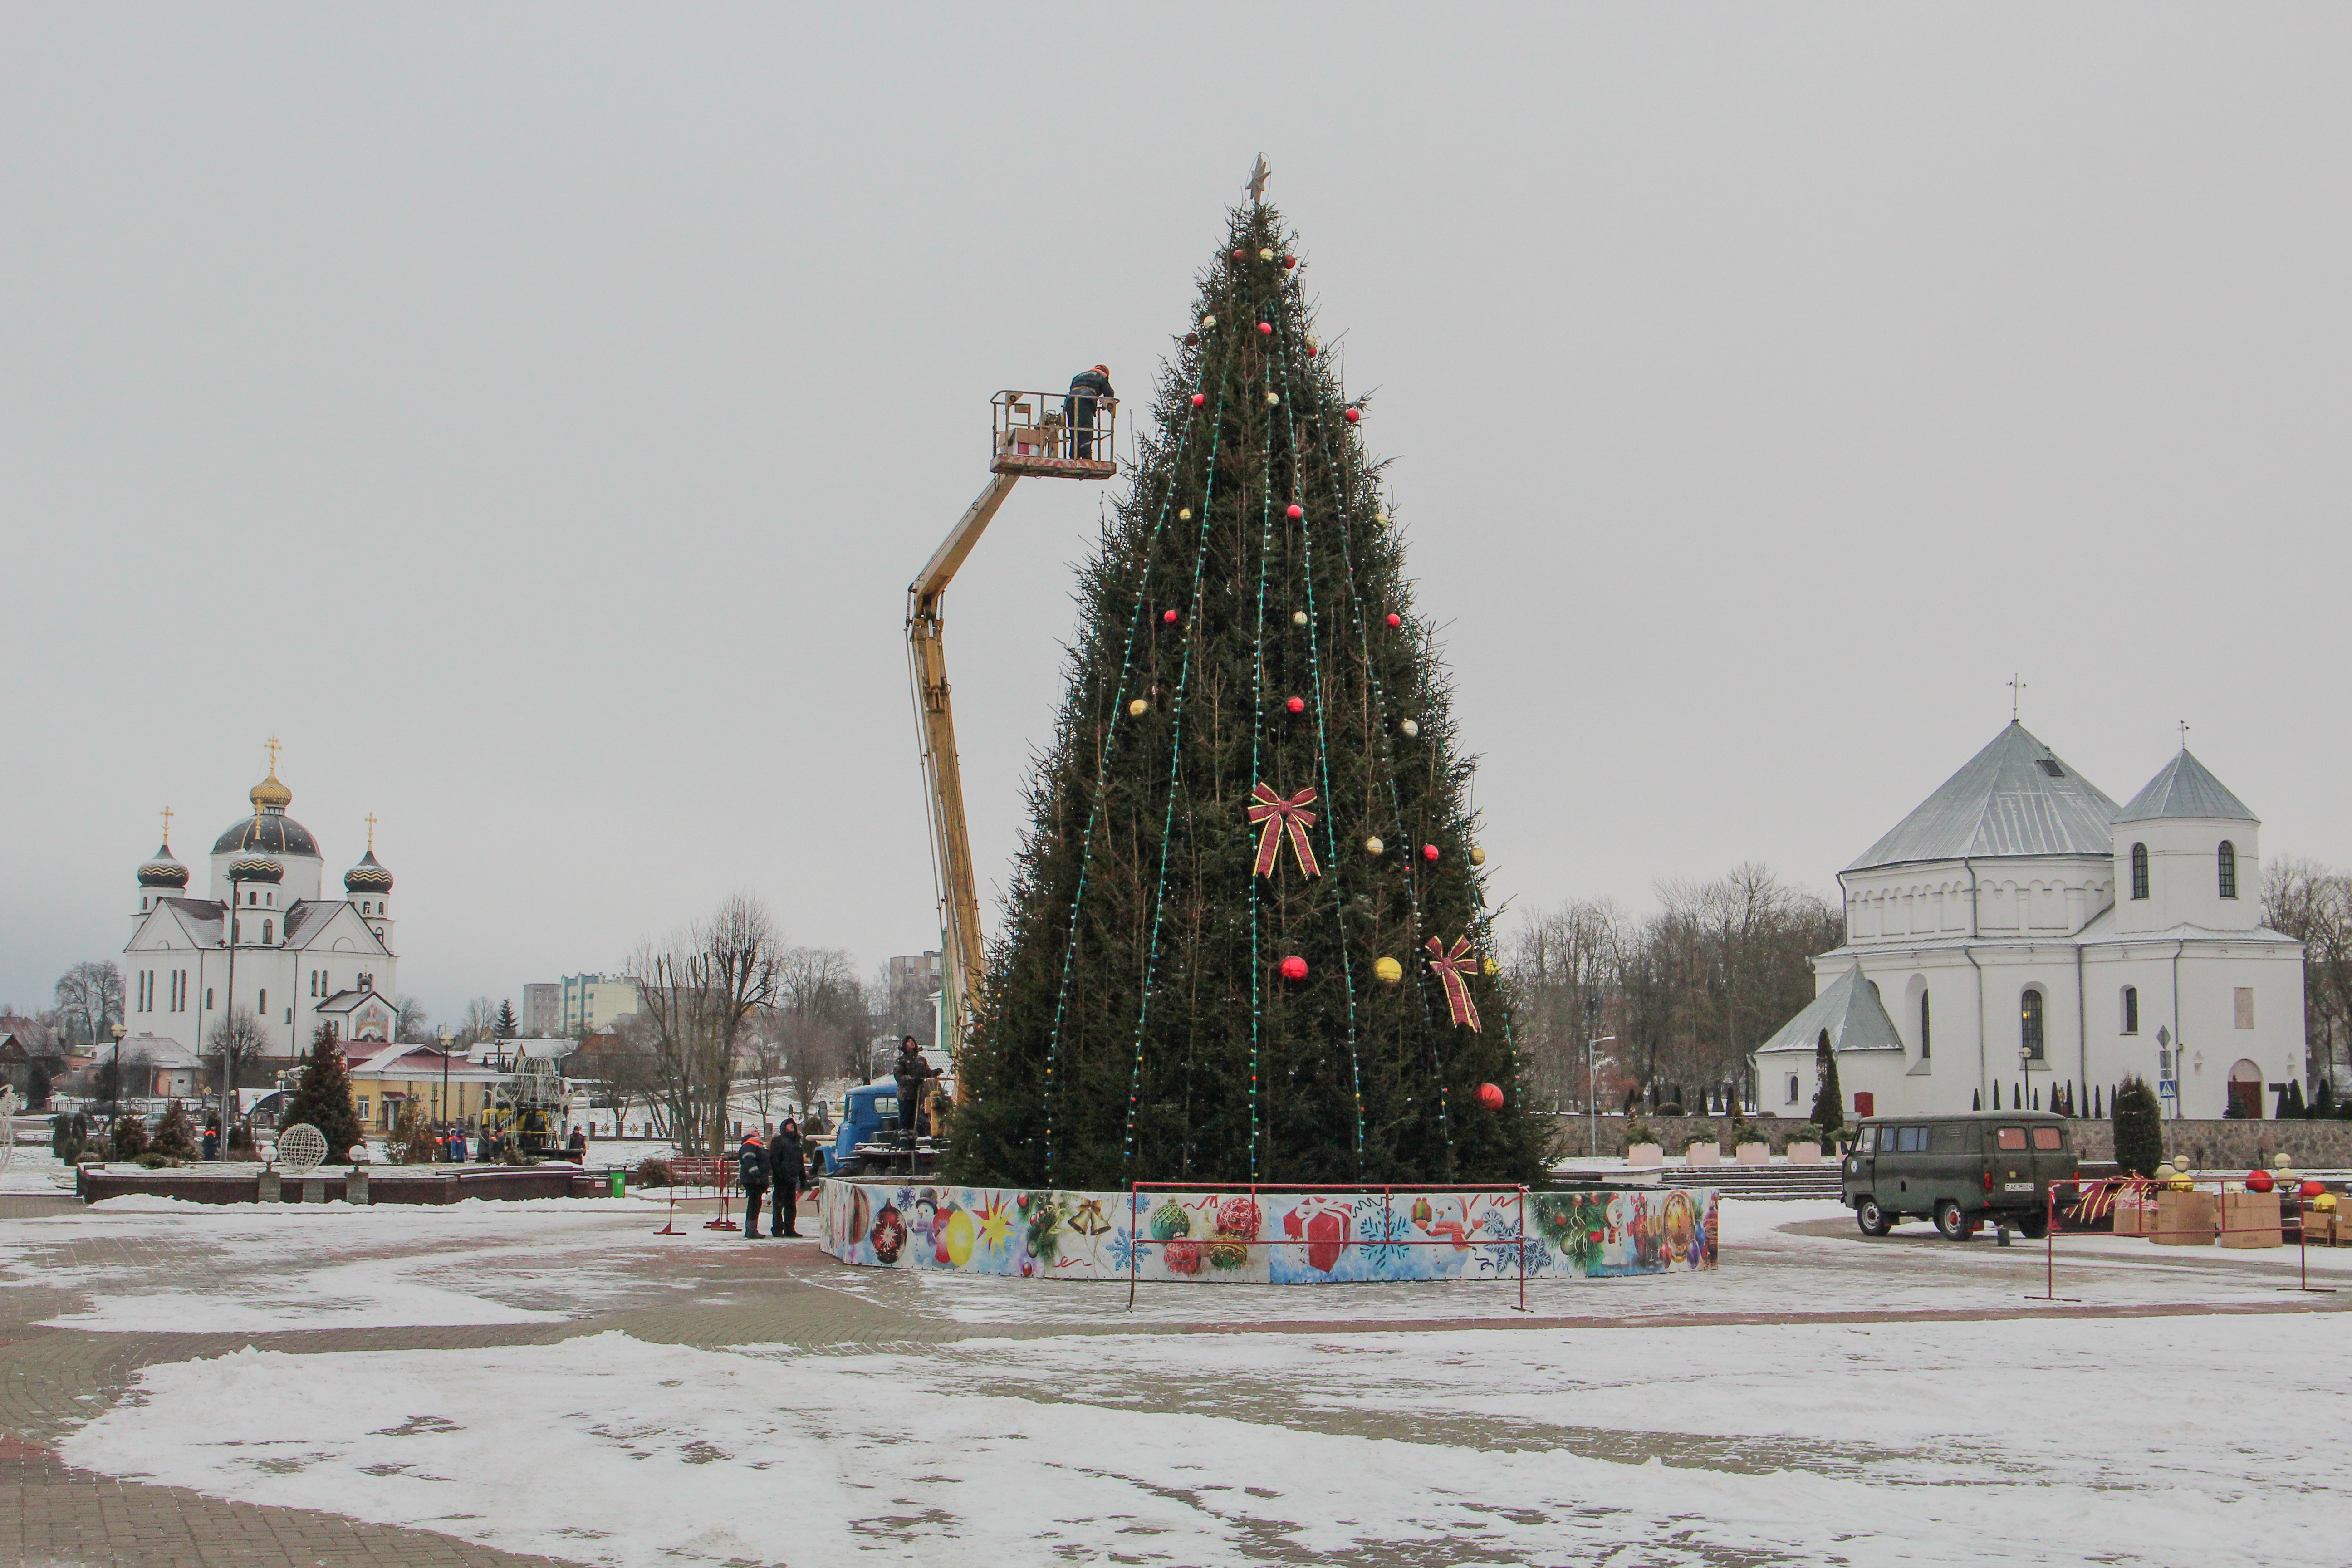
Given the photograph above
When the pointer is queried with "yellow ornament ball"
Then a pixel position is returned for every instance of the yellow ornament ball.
(1208, 321)
(1491, 967)
(1265, 255)
(957, 1237)
(1272, 399)
(1138, 708)
(1297, 618)
(1477, 856)
(1184, 514)
(1374, 845)
(1387, 970)
(2324, 1202)
(1408, 729)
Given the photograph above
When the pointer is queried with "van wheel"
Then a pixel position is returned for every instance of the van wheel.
(1951, 1224)
(1874, 1220)
(2033, 1227)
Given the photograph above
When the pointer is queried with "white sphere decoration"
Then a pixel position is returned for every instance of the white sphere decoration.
(1208, 321)
(1374, 845)
(1272, 399)
(1408, 729)
(301, 1149)
(1297, 618)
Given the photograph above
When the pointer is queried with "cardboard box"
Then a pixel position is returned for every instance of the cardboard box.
(2321, 1227)
(2185, 1219)
(2250, 1219)
(2135, 1212)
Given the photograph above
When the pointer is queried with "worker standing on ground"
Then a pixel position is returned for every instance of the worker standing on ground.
(911, 1072)
(789, 1168)
(1078, 408)
(751, 1170)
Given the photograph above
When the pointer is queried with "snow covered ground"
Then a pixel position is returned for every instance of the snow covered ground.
(1817, 1400)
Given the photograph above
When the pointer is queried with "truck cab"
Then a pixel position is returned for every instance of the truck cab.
(1959, 1171)
(866, 1142)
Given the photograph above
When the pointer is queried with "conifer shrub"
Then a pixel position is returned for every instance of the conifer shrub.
(130, 1138)
(2138, 1123)
(321, 1096)
(1828, 1100)
(176, 1134)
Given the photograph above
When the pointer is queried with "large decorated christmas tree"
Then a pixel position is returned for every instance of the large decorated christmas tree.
(1247, 938)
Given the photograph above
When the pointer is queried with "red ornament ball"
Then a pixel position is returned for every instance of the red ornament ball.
(1395, 621)
(2312, 1187)
(1297, 511)
(1312, 350)
(1168, 615)
(1289, 261)
(2258, 1181)
(1354, 415)
(1429, 851)
(1266, 328)
(1199, 398)
(1241, 256)
(1297, 705)
(1294, 968)
(1490, 1095)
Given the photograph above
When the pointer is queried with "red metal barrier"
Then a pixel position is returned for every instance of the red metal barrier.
(2105, 1198)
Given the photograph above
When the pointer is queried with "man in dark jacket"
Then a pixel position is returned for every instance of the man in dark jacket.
(789, 1166)
(912, 1072)
(1078, 408)
(751, 1170)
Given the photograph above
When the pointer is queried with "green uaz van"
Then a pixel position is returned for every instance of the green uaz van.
(1959, 1171)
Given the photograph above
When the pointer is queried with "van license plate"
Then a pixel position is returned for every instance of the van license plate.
(2018, 1188)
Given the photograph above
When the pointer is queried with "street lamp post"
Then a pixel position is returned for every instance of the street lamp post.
(114, 1110)
(443, 1108)
(1592, 1095)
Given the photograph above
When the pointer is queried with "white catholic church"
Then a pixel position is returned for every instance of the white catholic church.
(267, 941)
(2019, 934)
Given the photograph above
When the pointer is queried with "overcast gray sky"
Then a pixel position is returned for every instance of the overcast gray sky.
(532, 415)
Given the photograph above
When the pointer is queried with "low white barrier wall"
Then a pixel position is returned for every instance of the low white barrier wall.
(1268, 1235)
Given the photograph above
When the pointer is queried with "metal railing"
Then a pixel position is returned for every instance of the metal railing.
(1051, 434)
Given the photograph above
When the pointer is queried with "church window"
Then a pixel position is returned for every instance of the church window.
(1793, 1089)
(1926, 1035)
(2139, 870)
(2243, 1000)
(237, 931)
(2226, 862)
(2050, 765)
(261, 1002)
(269, 931)
(2131, 1009)
(208, 999)
(2030, 1022)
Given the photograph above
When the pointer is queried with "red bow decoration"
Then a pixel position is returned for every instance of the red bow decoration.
(1455, 969)
(1275, 813)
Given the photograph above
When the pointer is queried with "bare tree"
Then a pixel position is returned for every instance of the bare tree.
(698, 993)
(2308, 901)
(237, 1043)
(416, 1027)
(623, 1060)
(90, 1000)
(481, 1021)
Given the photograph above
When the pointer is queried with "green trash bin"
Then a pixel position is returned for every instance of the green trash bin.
(618, 1178)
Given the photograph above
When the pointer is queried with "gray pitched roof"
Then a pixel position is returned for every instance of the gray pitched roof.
(2014, 797)
(2185, 788)
(1849, 1012)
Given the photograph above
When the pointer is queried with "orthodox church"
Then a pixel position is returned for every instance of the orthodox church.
(2020, 939)
(267, 941)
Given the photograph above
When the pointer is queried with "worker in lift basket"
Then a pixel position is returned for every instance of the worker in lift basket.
(1078, 408)
(911, 1071)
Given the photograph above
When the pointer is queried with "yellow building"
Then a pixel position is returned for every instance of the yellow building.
(385, 1077)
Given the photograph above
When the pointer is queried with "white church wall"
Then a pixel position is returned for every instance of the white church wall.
(2184, 874)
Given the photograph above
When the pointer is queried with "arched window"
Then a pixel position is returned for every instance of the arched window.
(2139, 870)
(1926, 1035)
(2226, 860)
(2131, 1009)
(268, 926)
(2030, 1022)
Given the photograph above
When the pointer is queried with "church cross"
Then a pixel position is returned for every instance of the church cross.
(167, 825)
(271, 745)
(371, 822)
(1259, 175)
(2016, 689)
(2184, 734)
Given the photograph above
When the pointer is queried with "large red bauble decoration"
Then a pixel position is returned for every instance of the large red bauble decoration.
(1312, 350)
(1290, 261)
(1241, 256)
(1266, 328)
(1168, 615)
(2314, 1187)
(1295, 512)
(1297, 705)
(1490, 1096)
(1429, 851)
(2258, 1181)
(1294, 968)
(1354, 415)
(1199, 398)
(1395, 621)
